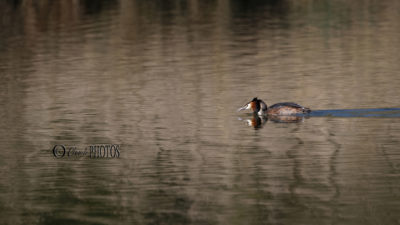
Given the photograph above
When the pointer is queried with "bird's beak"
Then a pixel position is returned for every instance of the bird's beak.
(242, 108)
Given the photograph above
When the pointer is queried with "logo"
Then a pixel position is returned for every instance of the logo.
(97, 151)
(59, 151)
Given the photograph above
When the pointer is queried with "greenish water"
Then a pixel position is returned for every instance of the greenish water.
(162, 81)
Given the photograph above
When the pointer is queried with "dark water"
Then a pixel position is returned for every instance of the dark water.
(163, 79)
(377, 112)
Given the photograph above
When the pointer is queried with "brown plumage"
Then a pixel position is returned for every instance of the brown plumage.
(287, 108)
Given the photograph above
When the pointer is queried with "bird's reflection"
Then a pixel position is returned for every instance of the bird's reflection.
(287, 119)
(258, 122)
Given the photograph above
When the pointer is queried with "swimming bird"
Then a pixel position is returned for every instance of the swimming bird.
(279, 109)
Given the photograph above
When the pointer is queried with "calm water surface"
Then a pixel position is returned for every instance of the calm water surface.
(163, 80)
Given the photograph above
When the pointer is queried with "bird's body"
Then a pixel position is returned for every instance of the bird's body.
(279, 109)
(286, 108)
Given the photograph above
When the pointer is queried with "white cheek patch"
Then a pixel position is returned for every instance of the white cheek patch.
(248, 106)
(249, 123)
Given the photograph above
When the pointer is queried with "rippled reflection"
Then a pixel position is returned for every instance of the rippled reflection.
(257, 121)
(162, 79)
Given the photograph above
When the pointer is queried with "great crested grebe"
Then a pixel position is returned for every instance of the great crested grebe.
(279, 109)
